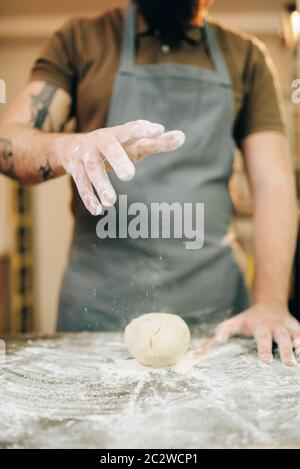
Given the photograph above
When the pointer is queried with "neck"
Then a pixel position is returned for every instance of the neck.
(200, 18)
(141, 24)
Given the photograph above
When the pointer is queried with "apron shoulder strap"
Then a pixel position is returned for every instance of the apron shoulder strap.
(216, 54)
(128, 46)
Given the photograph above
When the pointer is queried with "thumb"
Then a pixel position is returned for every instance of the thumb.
(227, 329)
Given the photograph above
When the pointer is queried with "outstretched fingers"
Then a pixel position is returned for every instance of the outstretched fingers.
(95, 169)
(136, 130)
(85, 189)
(116, 156)
(169, 141)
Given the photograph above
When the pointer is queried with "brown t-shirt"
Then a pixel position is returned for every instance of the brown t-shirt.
(83, 58)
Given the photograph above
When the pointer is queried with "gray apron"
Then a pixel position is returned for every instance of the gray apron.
(110, 281)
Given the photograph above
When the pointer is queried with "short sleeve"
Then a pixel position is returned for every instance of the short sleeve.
(262, 108)
(56, 63)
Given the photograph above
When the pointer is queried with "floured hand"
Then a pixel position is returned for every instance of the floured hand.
(266, 323)
(88, 157)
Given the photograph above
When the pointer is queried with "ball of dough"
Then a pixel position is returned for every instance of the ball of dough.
(158, 339)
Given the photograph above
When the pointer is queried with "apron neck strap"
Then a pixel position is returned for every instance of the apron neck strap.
(128, 47)
(216, 54)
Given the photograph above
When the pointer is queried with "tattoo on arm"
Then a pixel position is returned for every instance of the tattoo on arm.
(46, 172)
(6, 158)
(40, 107)
(41, 119)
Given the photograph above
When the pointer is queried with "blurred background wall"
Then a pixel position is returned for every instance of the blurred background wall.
(24, 26)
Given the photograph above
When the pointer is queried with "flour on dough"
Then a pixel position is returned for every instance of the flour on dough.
(158, 339)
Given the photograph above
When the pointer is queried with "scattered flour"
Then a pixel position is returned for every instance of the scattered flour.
(84, 391)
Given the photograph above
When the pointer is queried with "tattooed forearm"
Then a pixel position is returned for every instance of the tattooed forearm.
(7, 165)
(29, 131)
(6, 157)
(42, 119)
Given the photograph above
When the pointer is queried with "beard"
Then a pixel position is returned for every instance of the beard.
(169, 19)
